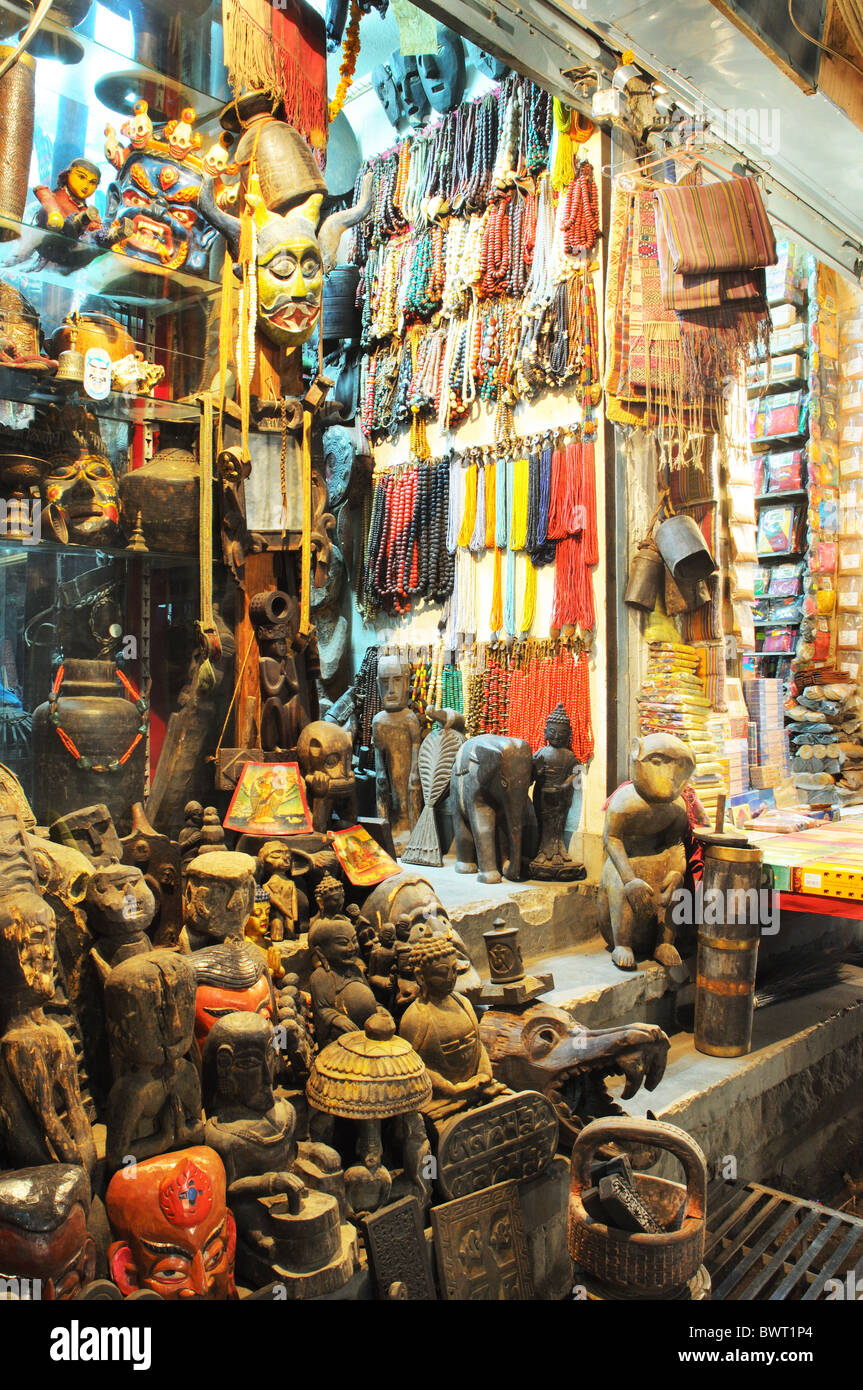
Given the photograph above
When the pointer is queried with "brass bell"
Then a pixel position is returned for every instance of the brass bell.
(70, 366)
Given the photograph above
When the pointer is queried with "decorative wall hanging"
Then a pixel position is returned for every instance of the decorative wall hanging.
(269, 799)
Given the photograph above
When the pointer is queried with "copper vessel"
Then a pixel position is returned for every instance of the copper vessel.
(164, 493)
(94, 712)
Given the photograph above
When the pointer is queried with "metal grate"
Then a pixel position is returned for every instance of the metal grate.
(768, 1246)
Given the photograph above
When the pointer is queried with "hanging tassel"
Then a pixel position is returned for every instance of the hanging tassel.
(528, 609)
(503, 492)
(509, 608)
(490, 503)
(495, 621)
(468, 518)
(477, 540)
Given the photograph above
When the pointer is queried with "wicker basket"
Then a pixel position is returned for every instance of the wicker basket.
(639, 1265)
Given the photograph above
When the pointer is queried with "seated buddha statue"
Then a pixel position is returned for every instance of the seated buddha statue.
(442, 1027)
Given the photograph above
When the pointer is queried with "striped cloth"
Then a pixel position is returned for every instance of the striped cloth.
(712, 227)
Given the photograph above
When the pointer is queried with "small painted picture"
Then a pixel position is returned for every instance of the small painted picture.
(362, 858)
(269, 800)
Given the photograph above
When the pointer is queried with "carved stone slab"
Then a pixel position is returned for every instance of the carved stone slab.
(397, 1250)
(513, 1137)
(481, 1247)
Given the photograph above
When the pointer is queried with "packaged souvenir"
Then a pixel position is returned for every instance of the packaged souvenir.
(850, 557)
(785, 471)
(778, 639)
(849, 593)
(849, 631)
(777, 530)
(785, 581)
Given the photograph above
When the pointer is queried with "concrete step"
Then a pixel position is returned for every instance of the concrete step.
(790, 1113)
(550, 916)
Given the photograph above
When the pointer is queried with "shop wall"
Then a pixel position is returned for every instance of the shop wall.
(423, 625)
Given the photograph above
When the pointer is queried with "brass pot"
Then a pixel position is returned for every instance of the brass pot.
(165, 492)
(93, 331)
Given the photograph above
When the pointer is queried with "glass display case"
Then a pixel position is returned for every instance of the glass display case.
(108, 336)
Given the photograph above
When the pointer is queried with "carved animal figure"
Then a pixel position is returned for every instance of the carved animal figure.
(645, 823)
(489, 793)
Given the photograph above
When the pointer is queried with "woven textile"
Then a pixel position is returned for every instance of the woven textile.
(712, 227)
(646, 354)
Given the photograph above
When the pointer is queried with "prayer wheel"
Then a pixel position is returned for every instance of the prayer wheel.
(727, 947)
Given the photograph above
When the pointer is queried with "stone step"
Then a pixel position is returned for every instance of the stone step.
(790, 1113)
(550, 916)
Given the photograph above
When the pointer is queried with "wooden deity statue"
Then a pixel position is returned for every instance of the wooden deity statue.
(44, 1240)
(155, 1102)
(556, 774)
(120, 908)
(283, 1228)
(173, 1231)
(341, 997)
(396, 737)
(325, 753)
(231, 972)
(42, 1117)
(645, 824)
(275, 617)
(283, 190)
(442, 1027)
(275, 874)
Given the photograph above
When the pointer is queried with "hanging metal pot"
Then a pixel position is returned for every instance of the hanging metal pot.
(684, 597)
(684, 549)
(645, 576)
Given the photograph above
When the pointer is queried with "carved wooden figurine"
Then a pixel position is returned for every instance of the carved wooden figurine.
(396, 738)
(489, 790)
(173, 1231)
(341, 998)
(155, 1102)
(92, 831)
(232, 973)
(367, 1077)
(42, 1117)
(382, 964)
(284, 1231)
(44, 1242)
(120, 907)
(645, 824)
(556, 774)
(275, 873)
(442, 1027)
(325, 752)
(275, 616)
(330, 900)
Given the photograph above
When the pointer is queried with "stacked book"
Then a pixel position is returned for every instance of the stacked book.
(765, 702)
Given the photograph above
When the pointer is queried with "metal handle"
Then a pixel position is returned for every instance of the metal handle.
(655, 1132)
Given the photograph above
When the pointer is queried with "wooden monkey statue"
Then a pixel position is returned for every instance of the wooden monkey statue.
(645, 824)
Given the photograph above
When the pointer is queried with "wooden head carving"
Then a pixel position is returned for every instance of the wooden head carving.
(174, 1233)
(660, 765)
